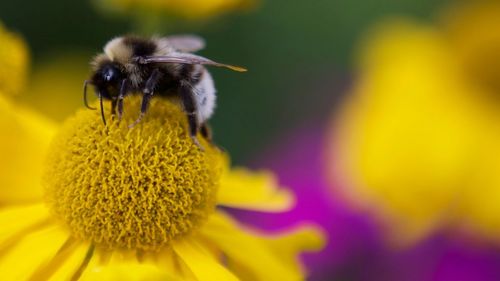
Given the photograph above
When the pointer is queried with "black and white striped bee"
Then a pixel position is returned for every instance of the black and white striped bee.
(163, 66)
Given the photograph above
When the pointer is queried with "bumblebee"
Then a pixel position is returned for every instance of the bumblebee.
(158, 66)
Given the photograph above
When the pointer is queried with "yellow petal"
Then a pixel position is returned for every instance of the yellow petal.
(131, 265)
(288, 246)
(22, 260)
(249, 251)
(14, 60)
(42, 254)
(170, 261)
(17, 220)
(128, 271)
(202, 264)
(243, 189)
(32, 248)
(23, 144)
(89, 263)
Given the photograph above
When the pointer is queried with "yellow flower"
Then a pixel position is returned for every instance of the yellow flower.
(55, 83)
(417, 141)
(13, 62)
(133, 204)
(23, 144)
(191, 9)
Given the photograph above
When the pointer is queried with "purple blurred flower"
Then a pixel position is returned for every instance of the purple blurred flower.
(355, 249)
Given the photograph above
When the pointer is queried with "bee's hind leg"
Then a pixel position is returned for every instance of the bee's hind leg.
(206, 132)
(188, 101)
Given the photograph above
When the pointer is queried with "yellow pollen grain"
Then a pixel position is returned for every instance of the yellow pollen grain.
(133, 188)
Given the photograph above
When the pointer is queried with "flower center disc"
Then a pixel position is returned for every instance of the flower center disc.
(133, 188)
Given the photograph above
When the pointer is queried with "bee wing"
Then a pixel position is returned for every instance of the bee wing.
(185, 42)
(185, 58)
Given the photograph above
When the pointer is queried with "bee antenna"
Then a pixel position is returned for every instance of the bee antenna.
(85, 101)
(102, 109)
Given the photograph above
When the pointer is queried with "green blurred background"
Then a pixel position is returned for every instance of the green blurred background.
(299, 55)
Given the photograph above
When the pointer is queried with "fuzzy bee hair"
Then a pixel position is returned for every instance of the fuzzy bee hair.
(160, 66)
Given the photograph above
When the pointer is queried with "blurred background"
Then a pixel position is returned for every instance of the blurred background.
(383, 116)
(299, 54)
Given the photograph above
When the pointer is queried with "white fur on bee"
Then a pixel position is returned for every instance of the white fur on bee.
(205, 97)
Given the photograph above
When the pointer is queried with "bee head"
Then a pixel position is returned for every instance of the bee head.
(107, 78)
(108, 74)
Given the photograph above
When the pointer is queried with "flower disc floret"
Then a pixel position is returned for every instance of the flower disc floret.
(133, 188)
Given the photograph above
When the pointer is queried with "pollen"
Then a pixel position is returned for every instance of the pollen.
(137, 188)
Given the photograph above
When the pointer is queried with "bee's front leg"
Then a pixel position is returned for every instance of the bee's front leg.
(123, 92)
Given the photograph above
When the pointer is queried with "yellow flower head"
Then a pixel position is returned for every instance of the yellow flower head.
(13, 62)
(191, 9)
(138, 188)
(141, 204)
(417, 142)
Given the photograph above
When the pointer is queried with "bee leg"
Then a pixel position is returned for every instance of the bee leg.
(144, 107)
(206, 132)
(147, 93)
(186, 93)
(85, 101)
(121, 96)
(101, 104)
(113, 106)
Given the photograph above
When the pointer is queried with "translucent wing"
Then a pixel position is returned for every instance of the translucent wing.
(185, 58)
(185, 43)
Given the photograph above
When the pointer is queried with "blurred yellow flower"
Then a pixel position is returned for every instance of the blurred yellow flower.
(190, 9)
(473, 31)
(133, 204)
(13, 62)
(417, 140)
(23, 145)
(20, 127)
(55, 86)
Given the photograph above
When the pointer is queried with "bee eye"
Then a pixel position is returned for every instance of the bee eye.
(110, 73)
